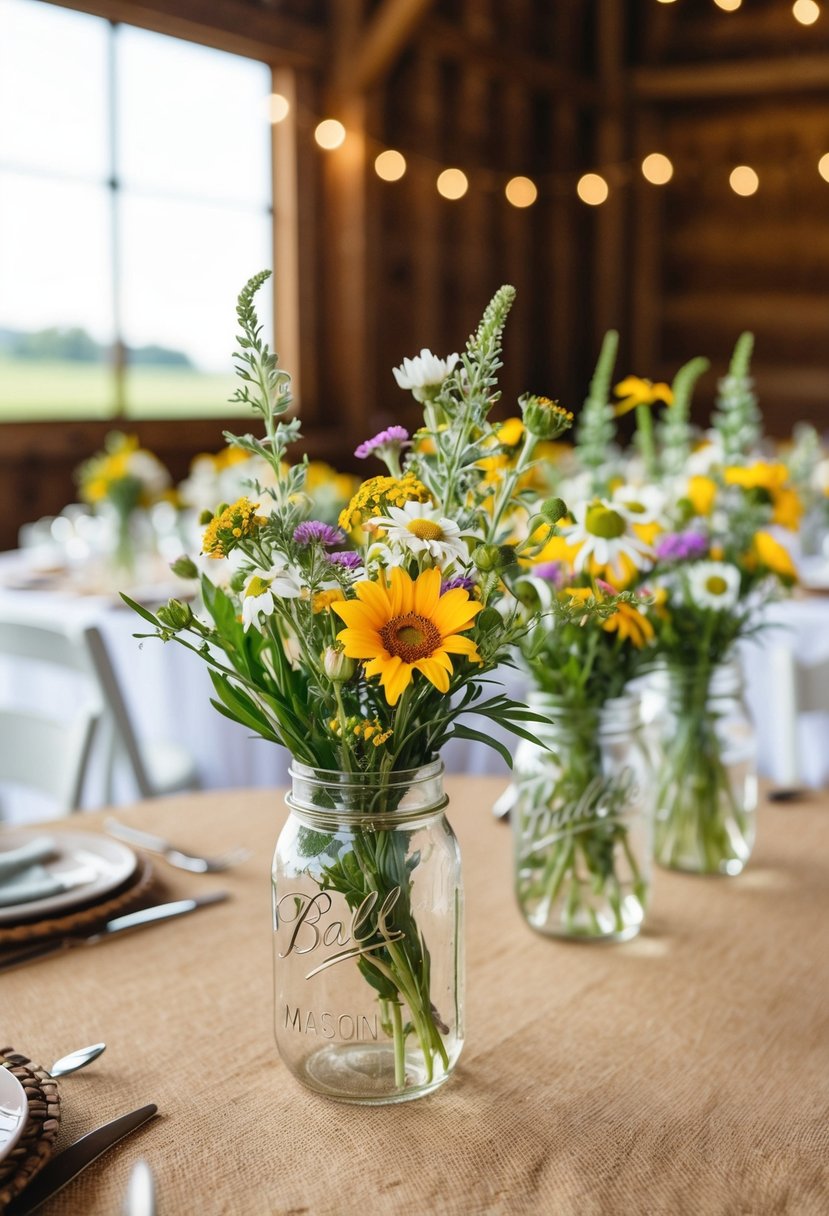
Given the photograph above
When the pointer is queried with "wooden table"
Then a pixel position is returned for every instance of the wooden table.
(684, 1072)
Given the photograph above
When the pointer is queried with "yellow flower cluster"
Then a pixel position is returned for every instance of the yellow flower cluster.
(231, 525)
(323, 600)
(363, 728)
(377, 494)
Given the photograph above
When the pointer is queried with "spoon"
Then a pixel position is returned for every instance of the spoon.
(76, 1060)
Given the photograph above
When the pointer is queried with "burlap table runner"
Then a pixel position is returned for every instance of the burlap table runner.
(685, 1072)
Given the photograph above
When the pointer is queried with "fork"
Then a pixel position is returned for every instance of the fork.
(181, 858)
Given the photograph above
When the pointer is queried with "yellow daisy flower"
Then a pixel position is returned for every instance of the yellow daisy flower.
(407, 626)
(702, 491)
(775, 557)
(638, 391)
(631, 625)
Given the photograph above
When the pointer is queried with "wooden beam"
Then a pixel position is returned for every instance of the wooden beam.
(286, 232)
(448, 41)
(382, 41)
(225, 24)
(745, 78)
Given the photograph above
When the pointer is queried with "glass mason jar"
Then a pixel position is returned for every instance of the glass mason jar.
(368, 947)
(580, 822)
(706, 777)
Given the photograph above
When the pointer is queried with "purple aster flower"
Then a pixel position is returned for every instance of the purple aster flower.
(551, 572)
(681, 547)
(460, 580)
(314, 532)
(347, 559)
(393, 435)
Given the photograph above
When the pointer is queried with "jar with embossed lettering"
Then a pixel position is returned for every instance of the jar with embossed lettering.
(368, 946)
(579, 806)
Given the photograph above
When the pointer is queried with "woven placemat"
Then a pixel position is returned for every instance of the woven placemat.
(87, 916)
(37, 1144)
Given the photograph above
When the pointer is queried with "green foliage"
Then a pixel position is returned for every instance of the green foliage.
(675, 429)
(596, 428)
(737, 418)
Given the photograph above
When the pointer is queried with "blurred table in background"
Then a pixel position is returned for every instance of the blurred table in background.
(168, 691)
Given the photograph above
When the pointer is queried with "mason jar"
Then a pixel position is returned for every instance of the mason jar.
(368, 946)
(706, 771)
(581, 823)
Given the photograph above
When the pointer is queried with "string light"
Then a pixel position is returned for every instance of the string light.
(592, 189)
(823, 166)
(521, 191)
(390, 165)
(806, 11)
(452, 183)
(278, 108)
(730, 6)
(329, 134)
(657, 169)
(743, 180)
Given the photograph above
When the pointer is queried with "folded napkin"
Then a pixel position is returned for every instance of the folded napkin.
(23, 878)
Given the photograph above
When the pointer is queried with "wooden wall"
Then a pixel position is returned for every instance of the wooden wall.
(550, 91)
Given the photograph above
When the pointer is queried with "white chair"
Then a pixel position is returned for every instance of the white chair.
(154, 768)
(39, 753)
(800, 688)
(157, 767)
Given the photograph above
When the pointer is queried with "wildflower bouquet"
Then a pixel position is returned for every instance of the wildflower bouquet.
(712, 562)
(582, 838)
(362, 646)
(123, 477)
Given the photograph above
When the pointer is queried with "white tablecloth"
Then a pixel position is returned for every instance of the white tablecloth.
(168, 692)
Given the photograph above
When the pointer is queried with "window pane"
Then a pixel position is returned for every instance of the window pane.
(192, 120)
(53, 87)
(182, 267)
(55, 274)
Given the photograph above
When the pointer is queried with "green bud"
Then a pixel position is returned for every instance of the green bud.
(487, 558)
(544, 418)
(205, 518)
(175, 615)
(337, 666)
(184, 567)
(506, 555)
(553, 509)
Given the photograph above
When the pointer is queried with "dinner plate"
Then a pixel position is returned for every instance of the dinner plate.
(95, 865)
(14, 1111)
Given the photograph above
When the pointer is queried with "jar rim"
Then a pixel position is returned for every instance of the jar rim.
(333, 776)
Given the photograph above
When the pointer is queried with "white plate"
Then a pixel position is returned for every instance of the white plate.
(13, 1112)
(94, 864)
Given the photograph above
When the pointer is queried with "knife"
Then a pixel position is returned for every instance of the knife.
(132, 920)
(68, 1164)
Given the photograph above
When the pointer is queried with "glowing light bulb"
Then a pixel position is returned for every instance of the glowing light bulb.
(278, 107)
(329, 134)
(390, 165)
(592, 189)
(823, 166)
(657, 169)
(743, 180)
(730, 6)
(521, 191)
(452, 183)
(806, 11)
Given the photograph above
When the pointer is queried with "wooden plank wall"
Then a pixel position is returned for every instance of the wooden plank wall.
(549, 91)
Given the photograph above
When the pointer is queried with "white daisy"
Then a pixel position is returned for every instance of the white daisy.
(605, 535)
(426, 371)
(713, 585)
(262, 589)
(418, 528)
(641, 504)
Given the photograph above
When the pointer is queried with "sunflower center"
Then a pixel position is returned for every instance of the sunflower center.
(716, 584)
(425, 529)
(410, 637)
(604, 522)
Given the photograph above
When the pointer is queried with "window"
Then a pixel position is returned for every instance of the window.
(135, 201)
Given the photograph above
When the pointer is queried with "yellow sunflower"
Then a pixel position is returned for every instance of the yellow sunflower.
(407, 626)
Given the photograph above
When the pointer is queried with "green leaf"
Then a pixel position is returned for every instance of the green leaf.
(459, 731)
